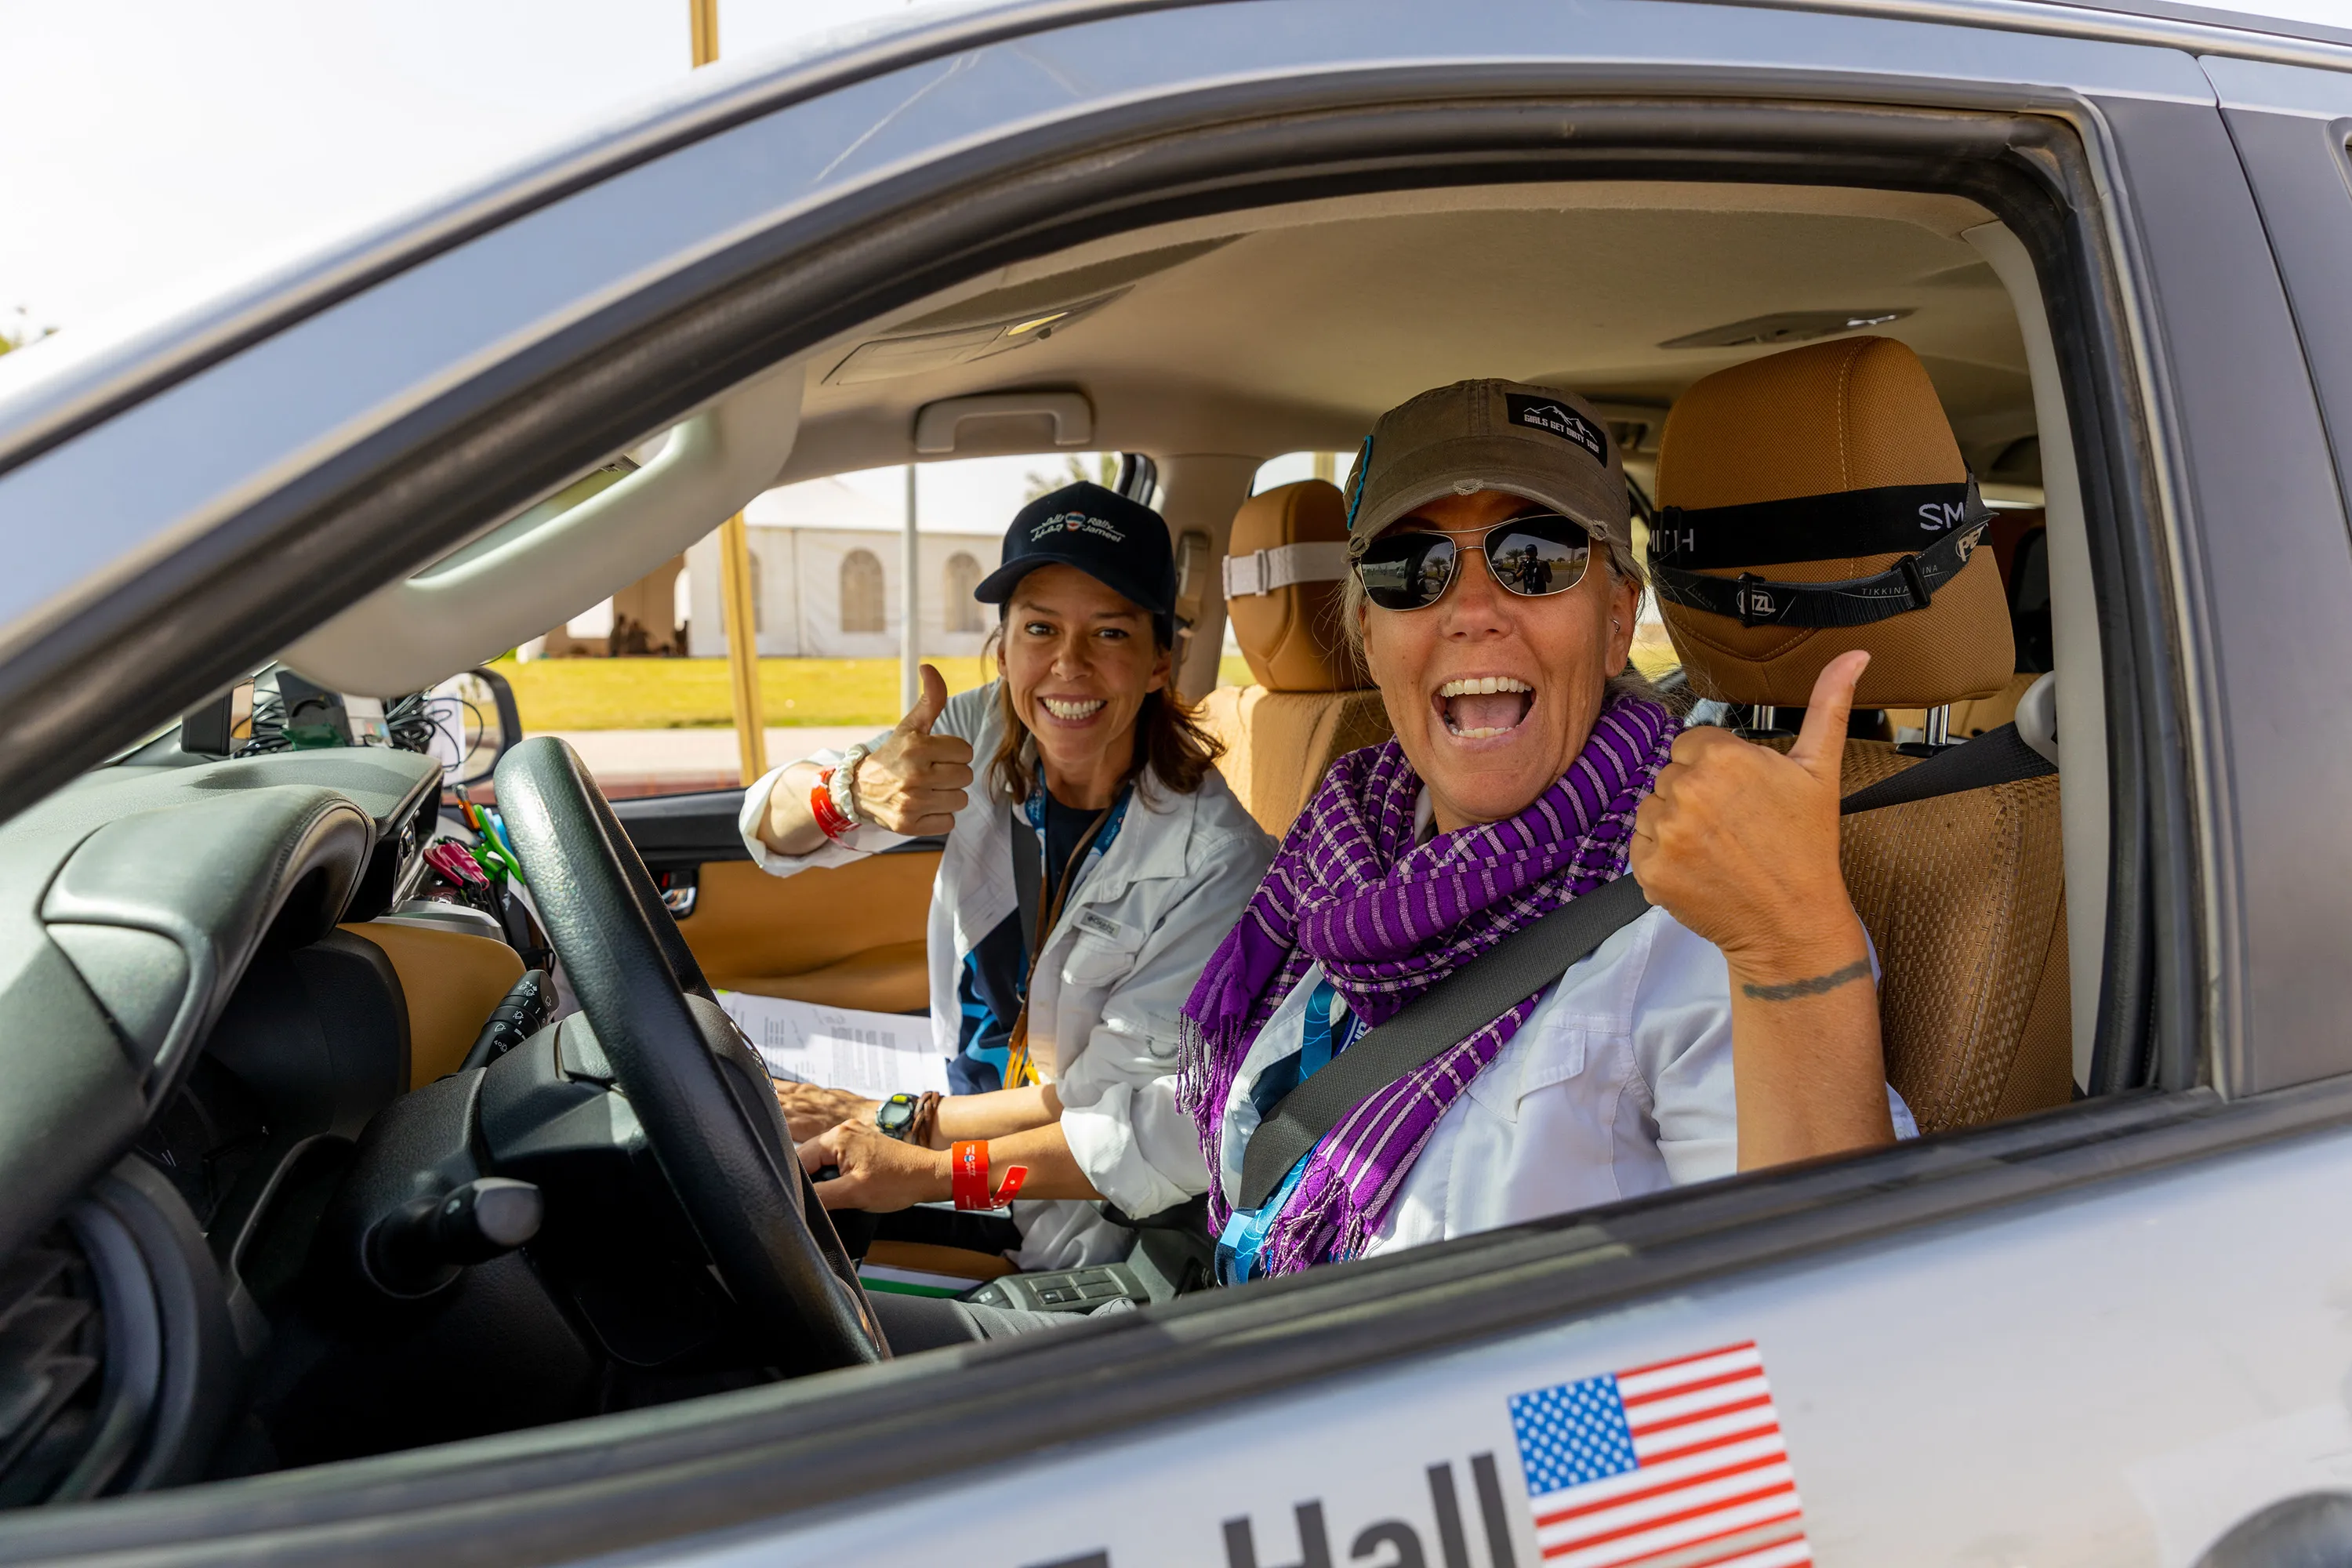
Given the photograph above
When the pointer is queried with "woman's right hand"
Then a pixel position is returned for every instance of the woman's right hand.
(810, 1108)
(915, 781)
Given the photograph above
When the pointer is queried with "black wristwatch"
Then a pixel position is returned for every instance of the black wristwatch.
(895, 1117)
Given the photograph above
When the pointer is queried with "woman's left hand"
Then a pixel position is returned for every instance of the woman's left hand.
(878, 1174)
(1740, 842)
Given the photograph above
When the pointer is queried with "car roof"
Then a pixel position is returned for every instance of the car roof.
(64, 385)
(2213, 17)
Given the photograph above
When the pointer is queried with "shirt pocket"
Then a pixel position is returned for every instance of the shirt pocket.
(1104, 953)
(1559, 1053)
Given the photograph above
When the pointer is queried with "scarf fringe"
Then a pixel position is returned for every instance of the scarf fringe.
(1193, 1068)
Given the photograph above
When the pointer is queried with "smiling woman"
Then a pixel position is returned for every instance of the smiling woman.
(1734, 1025)
(1082, 887)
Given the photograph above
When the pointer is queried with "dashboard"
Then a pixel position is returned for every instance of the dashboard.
(193, 1047)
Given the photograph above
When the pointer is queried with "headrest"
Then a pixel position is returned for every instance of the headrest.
(1282, 568)
(1848, 434)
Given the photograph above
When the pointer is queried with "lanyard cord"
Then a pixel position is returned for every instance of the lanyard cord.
(1019, 1069)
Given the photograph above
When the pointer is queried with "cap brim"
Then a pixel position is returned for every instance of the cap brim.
(998, 585)
(1438, 471)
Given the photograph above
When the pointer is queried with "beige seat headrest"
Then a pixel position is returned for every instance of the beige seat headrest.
(1856, 414)
(1282, 575)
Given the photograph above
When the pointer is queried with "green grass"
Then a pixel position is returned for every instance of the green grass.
(692, 693)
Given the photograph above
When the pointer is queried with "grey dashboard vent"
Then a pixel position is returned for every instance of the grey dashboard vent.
(51, 1340)
(1787, 327)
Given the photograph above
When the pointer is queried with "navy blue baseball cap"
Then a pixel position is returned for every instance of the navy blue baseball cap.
(1120, 543)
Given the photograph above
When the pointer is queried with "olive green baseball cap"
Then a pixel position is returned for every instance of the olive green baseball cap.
(1539, 442)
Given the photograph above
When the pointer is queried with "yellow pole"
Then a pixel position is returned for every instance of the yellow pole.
(734, 545)
(742, 647)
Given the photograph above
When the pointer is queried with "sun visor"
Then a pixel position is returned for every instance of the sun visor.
(550, 562)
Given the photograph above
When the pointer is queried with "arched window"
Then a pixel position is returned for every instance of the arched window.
(963, 576)
(861, 593)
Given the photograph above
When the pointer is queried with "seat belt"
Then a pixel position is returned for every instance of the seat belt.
(1531, 958)
(1996, 757)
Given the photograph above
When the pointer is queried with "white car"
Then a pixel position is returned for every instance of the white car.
(2104, 1317)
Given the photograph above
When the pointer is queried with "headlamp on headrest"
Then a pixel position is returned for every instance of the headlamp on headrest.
(1937, 527)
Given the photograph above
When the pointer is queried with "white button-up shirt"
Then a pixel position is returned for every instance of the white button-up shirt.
(1132, 939)
(1620, 1084)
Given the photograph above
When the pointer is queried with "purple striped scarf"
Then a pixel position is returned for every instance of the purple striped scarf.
(1387, 919)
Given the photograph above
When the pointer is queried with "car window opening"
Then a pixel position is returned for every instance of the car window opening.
(1229, 367)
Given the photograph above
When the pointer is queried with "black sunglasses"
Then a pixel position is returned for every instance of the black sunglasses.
(1535, 555)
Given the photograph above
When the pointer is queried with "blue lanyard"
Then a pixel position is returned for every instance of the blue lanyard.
(1033, 808)
(1239, 1243)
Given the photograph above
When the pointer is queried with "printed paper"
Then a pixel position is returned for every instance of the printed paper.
(874, 1053)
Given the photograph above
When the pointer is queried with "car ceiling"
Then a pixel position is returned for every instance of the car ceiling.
(1292, 327)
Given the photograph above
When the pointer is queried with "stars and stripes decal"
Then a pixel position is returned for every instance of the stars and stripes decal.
(1675, 1465)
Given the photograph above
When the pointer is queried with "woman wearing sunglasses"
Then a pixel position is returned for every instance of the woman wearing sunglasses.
(1493, 594)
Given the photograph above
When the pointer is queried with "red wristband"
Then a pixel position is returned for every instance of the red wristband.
(968, 1176)
(828, 815)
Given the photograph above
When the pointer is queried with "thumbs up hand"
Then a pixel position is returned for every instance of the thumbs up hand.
(1740, 842)
(916, 781)
(929, 706)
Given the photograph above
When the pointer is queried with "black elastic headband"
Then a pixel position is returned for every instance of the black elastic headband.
(1844, 523)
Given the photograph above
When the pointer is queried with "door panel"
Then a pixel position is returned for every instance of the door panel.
(851, 936)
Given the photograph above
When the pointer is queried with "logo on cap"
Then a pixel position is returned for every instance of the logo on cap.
(1554, 418)
(1076, 522)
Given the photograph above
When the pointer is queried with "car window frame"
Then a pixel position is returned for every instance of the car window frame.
(787, 1455)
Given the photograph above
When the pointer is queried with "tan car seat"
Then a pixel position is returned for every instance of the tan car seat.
(2017, 542)
(1964, 894)
(1312, 703)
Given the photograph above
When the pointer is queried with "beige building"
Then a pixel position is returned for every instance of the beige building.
(824, 584)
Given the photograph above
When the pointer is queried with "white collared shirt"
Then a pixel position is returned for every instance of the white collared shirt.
(1619, 1085)
(1132, 942)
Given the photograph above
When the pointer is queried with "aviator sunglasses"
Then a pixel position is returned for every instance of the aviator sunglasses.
(1534, 555)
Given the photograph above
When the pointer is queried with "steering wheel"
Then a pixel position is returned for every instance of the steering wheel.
(700, 1092)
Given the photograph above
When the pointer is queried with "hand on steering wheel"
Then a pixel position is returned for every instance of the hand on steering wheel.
(700, 1092)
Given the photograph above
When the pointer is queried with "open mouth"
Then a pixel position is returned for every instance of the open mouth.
(1482, 707)
(1072, 710)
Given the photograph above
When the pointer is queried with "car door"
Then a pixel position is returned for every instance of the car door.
(844, 936)
(2108, 1334)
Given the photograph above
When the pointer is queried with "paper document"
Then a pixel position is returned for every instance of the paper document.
(874, 1053)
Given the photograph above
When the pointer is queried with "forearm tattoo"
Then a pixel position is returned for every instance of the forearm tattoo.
(1817, 984)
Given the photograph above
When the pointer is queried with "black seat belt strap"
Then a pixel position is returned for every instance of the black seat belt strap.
(1531, 958)
(1996, 757)
(1443, 1016)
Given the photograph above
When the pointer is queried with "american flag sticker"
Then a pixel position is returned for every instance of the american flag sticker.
(1676, 1465)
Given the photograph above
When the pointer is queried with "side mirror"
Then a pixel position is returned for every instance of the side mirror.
(474, 722)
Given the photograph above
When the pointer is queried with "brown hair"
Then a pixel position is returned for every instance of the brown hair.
(1169, 744)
